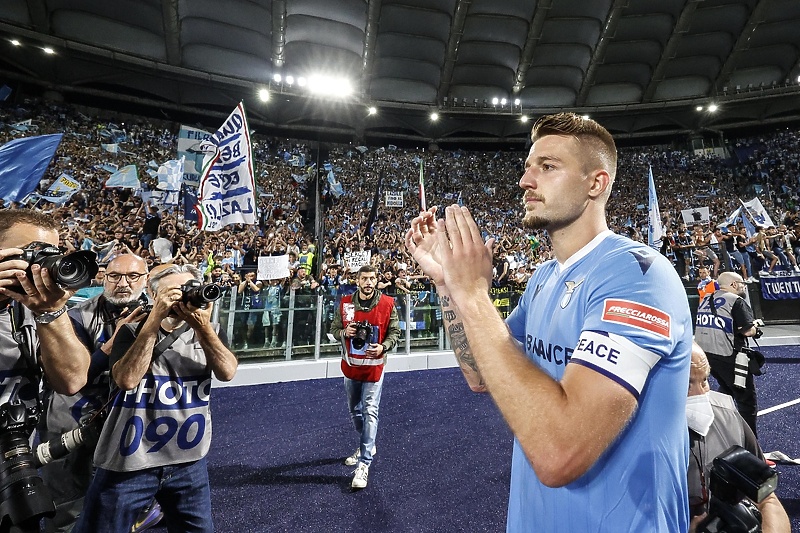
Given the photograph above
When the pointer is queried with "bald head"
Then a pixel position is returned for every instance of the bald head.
(125, 280)
(699, 371)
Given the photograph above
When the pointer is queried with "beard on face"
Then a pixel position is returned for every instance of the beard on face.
(125, 299)
(531, 221)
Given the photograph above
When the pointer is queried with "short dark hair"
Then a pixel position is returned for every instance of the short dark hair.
(12, 217)
(367, 268)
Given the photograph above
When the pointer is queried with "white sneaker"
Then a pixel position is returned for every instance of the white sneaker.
(353, 459)
(751, 279)
(360, 477)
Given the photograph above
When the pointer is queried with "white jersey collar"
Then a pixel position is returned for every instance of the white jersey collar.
(583, 252)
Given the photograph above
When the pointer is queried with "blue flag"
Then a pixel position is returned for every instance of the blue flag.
(190, 204)
(22, 164)
(655, 230)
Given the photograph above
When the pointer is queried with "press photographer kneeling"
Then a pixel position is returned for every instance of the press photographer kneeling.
(158, 429)
(35, 336)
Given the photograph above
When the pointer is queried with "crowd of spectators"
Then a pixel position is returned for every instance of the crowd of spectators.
(112, 220)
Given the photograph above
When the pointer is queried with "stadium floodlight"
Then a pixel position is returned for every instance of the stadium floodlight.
(585, 117)
(277, 78)
(495, 100)
(16, 42)
(263, 95)
(502, 101)
(289, 80)
(47, 50)
(523, 118)
(517, 101)
(712, 108)
(434, 116)
(372, 110)
(330, 86)
(798, 79)
(698, 108)
(301, 81)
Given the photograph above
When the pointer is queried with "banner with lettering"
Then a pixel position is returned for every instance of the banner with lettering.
(394, 199)
(227, 182)
(273, 267)
(780, 287)
(189, 140)
(355, 260)
(61, 189)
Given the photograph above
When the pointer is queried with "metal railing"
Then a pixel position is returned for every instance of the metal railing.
(305, 320)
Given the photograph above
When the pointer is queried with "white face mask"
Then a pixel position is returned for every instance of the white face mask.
(699, 414)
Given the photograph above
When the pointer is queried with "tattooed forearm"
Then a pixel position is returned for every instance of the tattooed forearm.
(458, 339)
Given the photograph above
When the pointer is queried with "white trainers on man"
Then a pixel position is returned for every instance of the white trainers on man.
(360, 477)
(353, 459)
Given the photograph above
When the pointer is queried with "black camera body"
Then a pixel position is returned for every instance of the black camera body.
(362, 335)
(24, 498)
(71, 271)
(200, 294)
(738, 478)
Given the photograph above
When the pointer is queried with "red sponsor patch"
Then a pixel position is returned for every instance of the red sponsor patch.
(637, 315)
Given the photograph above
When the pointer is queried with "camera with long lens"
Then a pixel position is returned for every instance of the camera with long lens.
(739, 480)
(362, 334)
(200, 294)
(62, 445)
(24, 499)
(71, 271)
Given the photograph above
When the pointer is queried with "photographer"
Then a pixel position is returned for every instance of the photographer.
(35, 332)
(368, 326)
(715, 426)
(724, 321)
(96, 322)
(158, 431)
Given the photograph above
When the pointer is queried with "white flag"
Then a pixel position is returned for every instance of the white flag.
(227, 182)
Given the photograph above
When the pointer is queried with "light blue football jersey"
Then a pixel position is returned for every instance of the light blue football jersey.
(612, 288)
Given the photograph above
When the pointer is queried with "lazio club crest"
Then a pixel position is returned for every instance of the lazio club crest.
(571, 287)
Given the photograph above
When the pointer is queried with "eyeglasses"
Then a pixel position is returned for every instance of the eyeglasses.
(132, 277)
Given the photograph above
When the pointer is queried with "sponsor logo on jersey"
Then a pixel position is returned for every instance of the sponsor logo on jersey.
(637, 315)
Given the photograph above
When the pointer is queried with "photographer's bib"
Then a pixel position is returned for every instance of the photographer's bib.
(166, 419)
(356, 364)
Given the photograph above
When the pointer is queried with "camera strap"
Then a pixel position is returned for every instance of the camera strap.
(167, 341)
(24, 337)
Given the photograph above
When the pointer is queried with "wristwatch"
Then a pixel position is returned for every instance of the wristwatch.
(46, 318)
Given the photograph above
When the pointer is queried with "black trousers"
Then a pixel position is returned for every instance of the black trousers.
(745, 398)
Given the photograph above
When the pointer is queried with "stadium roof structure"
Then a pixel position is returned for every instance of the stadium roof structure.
(641, 67)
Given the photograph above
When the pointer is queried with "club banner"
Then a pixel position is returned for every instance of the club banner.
(62, 189)
(780, 287)
(227, 183)
(189, 140)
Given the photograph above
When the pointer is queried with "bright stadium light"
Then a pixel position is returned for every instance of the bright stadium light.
(523, 118)
(263, 95)
(289, 80)
(434, 116)
(372, 110)
(329, 86)
(502, 101)
(16, 42)
(698, 108)
(494, 101)
(277, 78)
(301, 81)
(712, 108)
(517, 101)
(47, 50)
